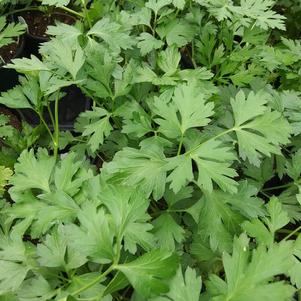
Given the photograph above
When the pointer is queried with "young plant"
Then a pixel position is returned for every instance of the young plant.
(195, 126)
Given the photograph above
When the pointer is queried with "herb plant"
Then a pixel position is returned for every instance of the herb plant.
(182, 181)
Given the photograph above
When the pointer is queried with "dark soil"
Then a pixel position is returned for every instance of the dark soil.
(13, 119)
(70, 106)
(38, 22)
(8, 52)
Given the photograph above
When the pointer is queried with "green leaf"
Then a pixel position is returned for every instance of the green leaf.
(218, 221)
(184, 286)
(10, 31)
(149, 272)
(58, 3)
(64, 32)
(12, 275)
(93, 238)
(144, 167)
(248, 274)
(66, 57)
(26, 65)
(258, 130)
(55, 252)
(167, 231)
(35, 288)
(168, 60)
(277, 219)
(156, 5)
(129, 212)
(179, 4)
(214, 161)
(32, 171)
(113, 34)
(190, 104)
(147, 43)
(96, 125)
(261, 12)
(5, 175)
(69, 176)
(26, 95)
(291, 102)
(181, 174)
(176, 32)
(50, 209)
(293, 166)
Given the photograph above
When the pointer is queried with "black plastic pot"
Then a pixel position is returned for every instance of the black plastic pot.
(9, 77)
(33, 41)
(70, 106)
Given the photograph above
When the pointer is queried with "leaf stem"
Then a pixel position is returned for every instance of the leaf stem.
(86, 13)
(292, 233)
(56, 125)
(46, 126)
(212, 138)
(95, 281)
(180, 146)
(71, 11)
(51, 115)
(279, 186)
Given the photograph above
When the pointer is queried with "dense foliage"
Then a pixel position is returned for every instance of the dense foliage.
(182, 182)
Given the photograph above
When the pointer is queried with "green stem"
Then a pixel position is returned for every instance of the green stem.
(286, 231)
(22, 10)
(56, 125)
(106, 272)
(278, 187)
(86, 13)
(180, 146)
(50, 114)
(46, 126)
(212, 138)
(71, 11)
(292, 233)
(95, 281)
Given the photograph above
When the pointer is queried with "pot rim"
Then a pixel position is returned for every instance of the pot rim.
(46, 39)
(20, 48)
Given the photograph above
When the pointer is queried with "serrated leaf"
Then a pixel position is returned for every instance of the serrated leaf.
(66, 57)
(167, 231)
(248, 274)
(168, 60)
(93, 238)
(147, 43)
(96, 125)
(12, 275)
(68, 176)
(149, 272)
(184, 286)
(25, 65)
(144, 167)
(113, 34)
(9, 31)
(156, 5)
(32, 171)
(264, 231)
(130, 218)
(179, 3)
(190, 104)
(55, 252)
(258, 130)
(176, 32)
(25, 95)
